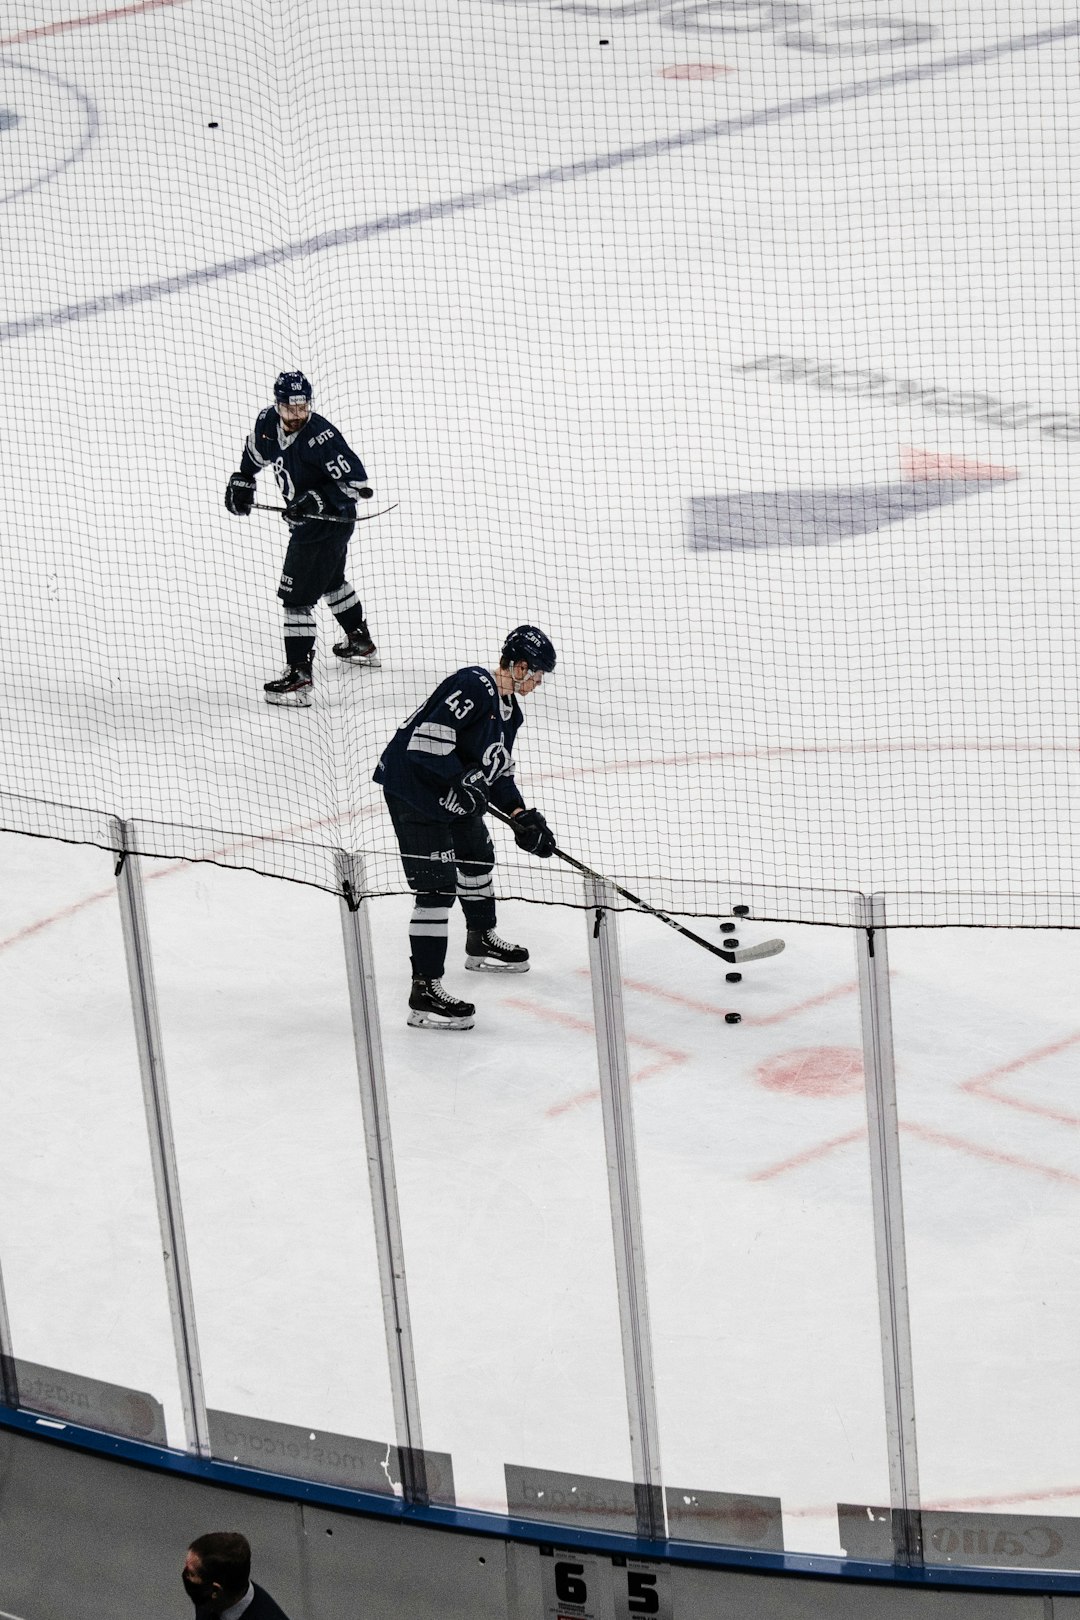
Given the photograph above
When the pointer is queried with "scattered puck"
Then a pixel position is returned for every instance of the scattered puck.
(728, 928)
(733, 978)
(366, 493)
(731, 944)
(733, 1018)
(605, 42)
(740, 911)
(212, 124)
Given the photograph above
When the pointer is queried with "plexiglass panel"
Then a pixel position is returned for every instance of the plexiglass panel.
(987, 1034)
(79, 1239)
(262, 1079)
(503, 1187)
(758, 1227)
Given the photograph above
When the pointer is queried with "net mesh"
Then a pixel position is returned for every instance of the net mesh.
(734, 343)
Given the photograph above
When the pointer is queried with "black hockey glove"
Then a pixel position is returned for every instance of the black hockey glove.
(308, 505)
(240, 495)
(467, 796)
(532, 834)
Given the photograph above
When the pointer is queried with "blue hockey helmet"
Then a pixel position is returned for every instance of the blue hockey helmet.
(292, 388)
(529, 645)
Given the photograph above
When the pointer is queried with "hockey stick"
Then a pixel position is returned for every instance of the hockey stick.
(742, 953)
(319, 517)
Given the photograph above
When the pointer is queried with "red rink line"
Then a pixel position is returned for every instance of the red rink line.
(167, 871)
(759, 1020)
(982, 1085)
(553, 1015)
(731, 756)
(960, 1144)
(89, 21)
(808, 1156)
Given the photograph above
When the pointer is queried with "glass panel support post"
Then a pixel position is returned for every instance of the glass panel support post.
(140, 969)
(625, 1199)
(871, 940)
(389, 1245)
(9, 1387)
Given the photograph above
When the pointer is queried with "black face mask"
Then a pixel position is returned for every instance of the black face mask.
(198, 1592)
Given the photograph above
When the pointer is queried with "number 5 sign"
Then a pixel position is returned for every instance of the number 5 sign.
(642, 1589)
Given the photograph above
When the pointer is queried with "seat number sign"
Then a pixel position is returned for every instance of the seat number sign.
(584, 1586)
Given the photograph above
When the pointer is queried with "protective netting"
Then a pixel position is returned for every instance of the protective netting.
(733, 342)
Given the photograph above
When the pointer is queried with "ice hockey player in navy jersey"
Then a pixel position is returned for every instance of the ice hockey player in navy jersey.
(321, 480)
(439, 772)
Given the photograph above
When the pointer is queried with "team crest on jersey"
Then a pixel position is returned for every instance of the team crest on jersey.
(496, 761)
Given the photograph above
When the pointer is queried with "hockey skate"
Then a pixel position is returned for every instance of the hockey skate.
(431, 1008)
(292, 690)
(359, 649)
(487, 953)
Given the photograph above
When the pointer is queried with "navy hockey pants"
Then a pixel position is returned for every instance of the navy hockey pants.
(313, 569)
(444, 862)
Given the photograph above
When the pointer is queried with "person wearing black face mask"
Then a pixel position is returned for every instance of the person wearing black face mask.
(217, 1579)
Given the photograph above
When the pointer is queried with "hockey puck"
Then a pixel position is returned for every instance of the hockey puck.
(727, 928)
(740, 911)
(733, 1018)
(366, 494)
(731, 944)
(212, 124)
(733, 978)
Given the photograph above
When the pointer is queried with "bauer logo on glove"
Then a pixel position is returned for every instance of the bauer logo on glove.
(308, 505)
(240, 495)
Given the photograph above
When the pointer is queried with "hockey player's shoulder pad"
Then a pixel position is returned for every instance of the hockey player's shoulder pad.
(262, 441)
(476, 680)
(468, 695)
(318, 431)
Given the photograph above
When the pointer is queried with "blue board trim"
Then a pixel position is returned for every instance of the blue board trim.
(53, 1431)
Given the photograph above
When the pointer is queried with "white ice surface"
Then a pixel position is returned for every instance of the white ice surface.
(543, 381)
(754, 1173)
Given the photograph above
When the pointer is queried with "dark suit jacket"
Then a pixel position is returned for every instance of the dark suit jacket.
(261, 1607)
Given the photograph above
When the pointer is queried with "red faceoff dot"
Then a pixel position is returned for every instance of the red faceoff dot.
(814, 1071)
(694, 70)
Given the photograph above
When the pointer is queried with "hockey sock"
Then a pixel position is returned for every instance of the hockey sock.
(476, 892)
(429, 927)
(299, 637)
(345, 605)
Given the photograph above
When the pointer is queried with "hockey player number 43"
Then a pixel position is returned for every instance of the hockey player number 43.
(459, 707)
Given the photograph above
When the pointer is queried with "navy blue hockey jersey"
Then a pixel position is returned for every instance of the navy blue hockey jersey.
(466, 722)
(315, 458)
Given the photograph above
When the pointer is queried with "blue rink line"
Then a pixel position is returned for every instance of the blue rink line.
(546, 179)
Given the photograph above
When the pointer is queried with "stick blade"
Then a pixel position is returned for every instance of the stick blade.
(754, 953)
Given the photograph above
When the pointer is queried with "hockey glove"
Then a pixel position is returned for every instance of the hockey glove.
(469, 793)
(308, 505)
(240, 495)
(532, 834)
